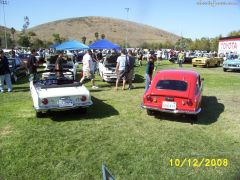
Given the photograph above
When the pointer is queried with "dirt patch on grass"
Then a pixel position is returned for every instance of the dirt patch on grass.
(5, 131)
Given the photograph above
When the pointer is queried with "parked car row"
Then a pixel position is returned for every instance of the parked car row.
(171, 91)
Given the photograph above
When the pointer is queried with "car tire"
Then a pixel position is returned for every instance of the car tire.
(150, 112)
(39, 114)
(194, 65)
(224, 69)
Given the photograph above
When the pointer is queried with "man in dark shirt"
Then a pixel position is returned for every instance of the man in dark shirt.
(32, 65)
(132, 60)
(149, 72)
(59, 64)
(4, 73)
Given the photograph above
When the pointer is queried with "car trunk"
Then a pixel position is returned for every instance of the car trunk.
(170, 100)
(56, 97)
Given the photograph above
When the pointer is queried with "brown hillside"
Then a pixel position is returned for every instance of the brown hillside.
(114, 29)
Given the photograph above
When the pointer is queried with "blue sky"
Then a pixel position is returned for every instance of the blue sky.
(186, 17)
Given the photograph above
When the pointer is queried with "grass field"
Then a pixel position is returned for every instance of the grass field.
(117, 132)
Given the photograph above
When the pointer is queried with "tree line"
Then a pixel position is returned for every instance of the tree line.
(29, 39)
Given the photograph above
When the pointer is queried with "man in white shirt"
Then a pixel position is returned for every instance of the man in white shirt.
(88, 69)
(121, 69)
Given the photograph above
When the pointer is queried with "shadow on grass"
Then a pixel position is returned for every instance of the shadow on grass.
(138, 79)
(22, 80)
(211, 110)
(98, 110)
(21, 89)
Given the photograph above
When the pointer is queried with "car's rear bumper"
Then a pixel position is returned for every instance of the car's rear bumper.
(172, 111)
(110, 78)
(55, 108)
(199, 64)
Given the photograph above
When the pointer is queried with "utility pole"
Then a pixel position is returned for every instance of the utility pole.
(126, 38)
(4, 2)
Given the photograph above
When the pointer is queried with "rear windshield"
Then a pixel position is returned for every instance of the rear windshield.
(172, 85)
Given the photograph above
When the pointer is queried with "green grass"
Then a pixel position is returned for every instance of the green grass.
(117, 132)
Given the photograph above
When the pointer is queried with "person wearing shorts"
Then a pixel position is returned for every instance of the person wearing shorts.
(120, 69)
(88, 69)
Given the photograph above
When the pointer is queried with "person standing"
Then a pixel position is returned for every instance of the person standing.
(149, 72)
(32, 65)
(132, 60)
(59, 64)
(180, 58)
(4, 73)
(140, 58)
(122, 61)
(88, 68)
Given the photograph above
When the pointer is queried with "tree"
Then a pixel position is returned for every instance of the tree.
(58, 39)
(84, 39)
(38, 43)
(214, 44)
(234, 33)
(24, 40)
(183, 43)
(103, 36)
(9, 40)
(96, 35)
(30, 33)
(26, 24)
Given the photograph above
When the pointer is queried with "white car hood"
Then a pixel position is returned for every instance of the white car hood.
(62, 91)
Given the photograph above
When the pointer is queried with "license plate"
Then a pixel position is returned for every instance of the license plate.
(169, 105)
(65, 103)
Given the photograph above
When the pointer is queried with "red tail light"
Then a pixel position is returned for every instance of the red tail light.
(189, 102)
(83, 98)
(45, 101)
(149, 98)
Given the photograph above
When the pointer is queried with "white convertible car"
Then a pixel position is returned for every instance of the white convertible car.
(58, 93)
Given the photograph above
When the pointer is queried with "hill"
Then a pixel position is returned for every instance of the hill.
(114, 30)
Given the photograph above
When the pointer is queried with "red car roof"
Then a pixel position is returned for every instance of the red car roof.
(177, 74)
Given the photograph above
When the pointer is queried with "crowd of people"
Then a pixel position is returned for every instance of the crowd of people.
(124, 68)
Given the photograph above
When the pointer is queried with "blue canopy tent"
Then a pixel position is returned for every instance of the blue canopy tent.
(71, 45)
(104, 44)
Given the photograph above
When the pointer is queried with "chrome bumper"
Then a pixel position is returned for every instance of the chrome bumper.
(231, 67)
(172, 111)
(55, 108)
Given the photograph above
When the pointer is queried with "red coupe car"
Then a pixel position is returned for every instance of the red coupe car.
(174, 91)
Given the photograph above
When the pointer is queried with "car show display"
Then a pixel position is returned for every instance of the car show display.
(57, 92)
(208, 60)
